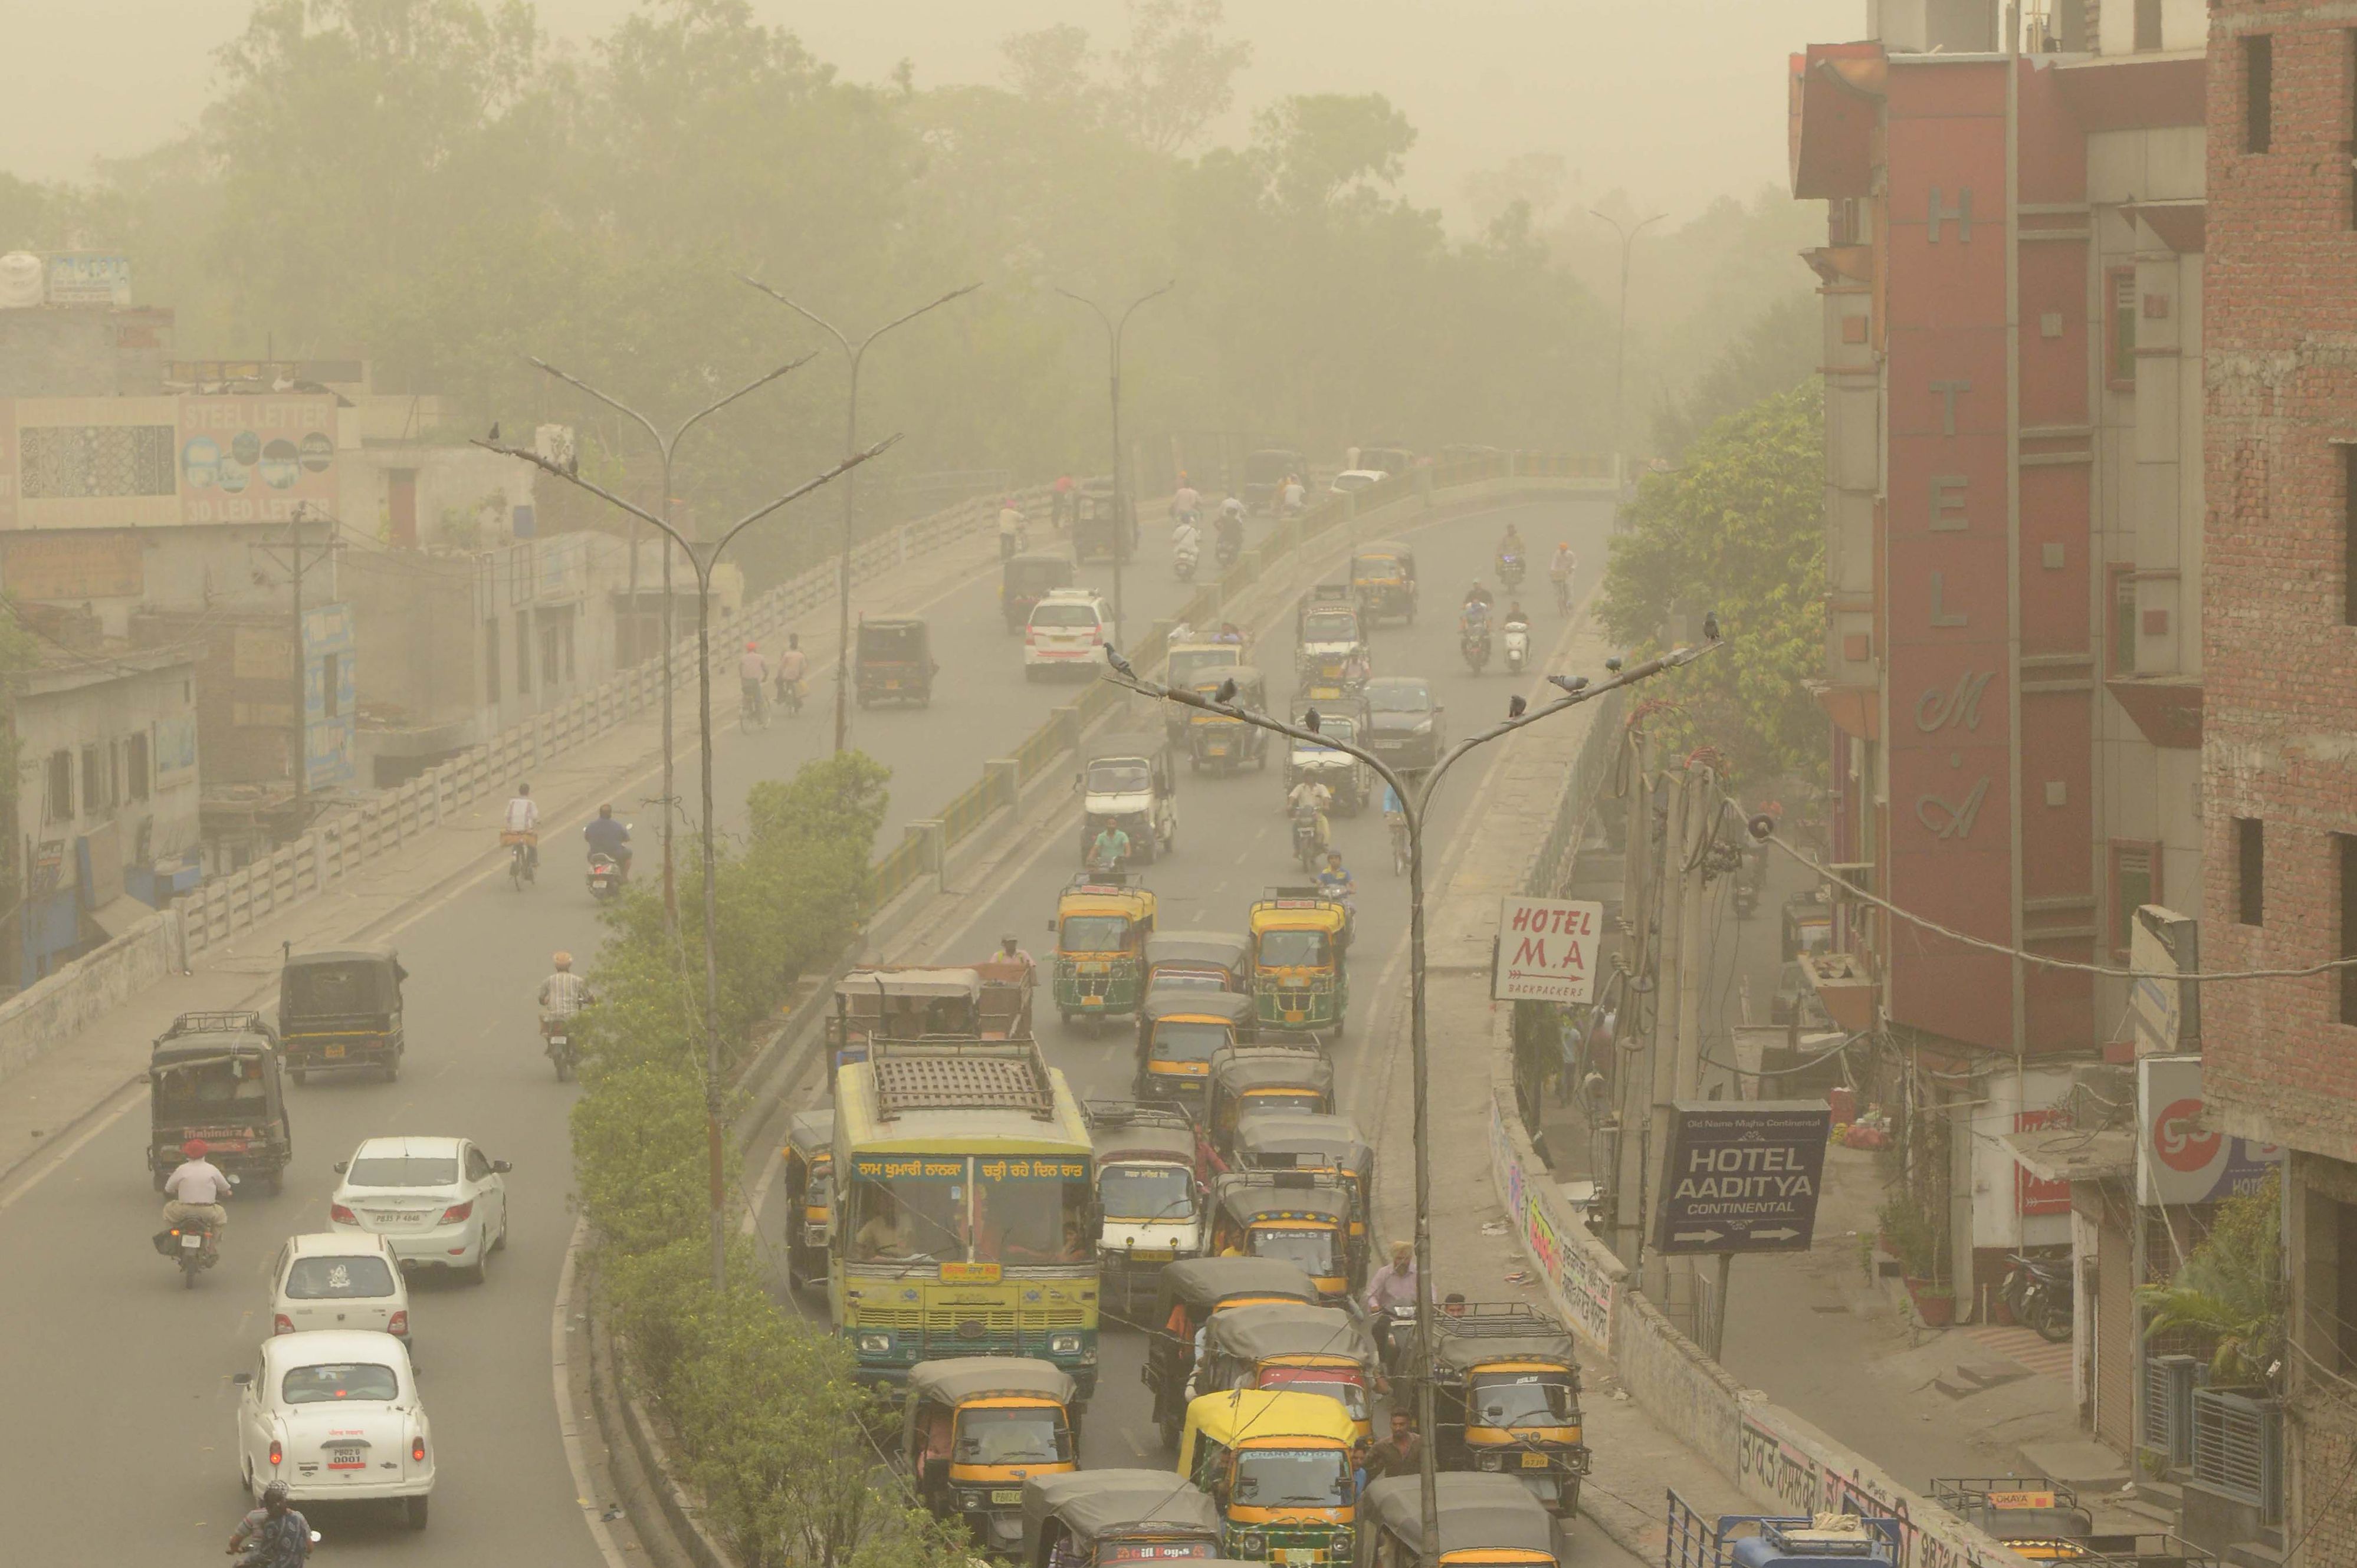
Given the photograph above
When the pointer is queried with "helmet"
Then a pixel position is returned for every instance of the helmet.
(277, 1492)
(563, 959)
(752, 647)
(195, 1149)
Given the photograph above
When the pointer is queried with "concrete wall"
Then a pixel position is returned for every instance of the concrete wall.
(71, 707)
(64, 1001)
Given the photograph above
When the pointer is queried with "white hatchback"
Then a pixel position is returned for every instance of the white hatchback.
(438, 1202)
(335, 1416)
(1067, 629)
(1353, 479)
(339, 1279)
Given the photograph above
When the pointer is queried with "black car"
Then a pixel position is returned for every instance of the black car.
(1405, 724)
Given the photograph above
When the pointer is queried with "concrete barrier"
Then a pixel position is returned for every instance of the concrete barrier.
(61, 1002)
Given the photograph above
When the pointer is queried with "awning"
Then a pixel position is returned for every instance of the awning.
(2073, 1153)
(118, 915)
(2183, 226)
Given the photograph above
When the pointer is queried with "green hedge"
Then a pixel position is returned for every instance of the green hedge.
(786, 1449)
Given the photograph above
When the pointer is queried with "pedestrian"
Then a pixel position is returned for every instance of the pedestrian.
(1401, 1454)
(1059, 501)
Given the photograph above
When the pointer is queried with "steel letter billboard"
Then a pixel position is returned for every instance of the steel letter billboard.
(1546, 950)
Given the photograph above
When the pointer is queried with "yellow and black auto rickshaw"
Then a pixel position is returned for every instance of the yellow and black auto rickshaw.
(215, 1076)
(1506, 1399)
(1150, 1196)
(1197, 961)
(808, 1174)
(1218, 744)
(1197, 667)
(1301, 1217)
(974, 1428)
(2040, 1519)
(1093, 1519)
(1279, 1075)
(340, 1008)
(1179, 1032)
(1383, 576)
(1102, 924)
(1487, 1519)
(1278, 1465)
(895, 660)
(1300, 984)
(1301, 1350)
(1313, 1141)
(1190, 1293)
(1025, 580)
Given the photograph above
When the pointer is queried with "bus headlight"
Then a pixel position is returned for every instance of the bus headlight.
(1063, 1344)
(873, 1342)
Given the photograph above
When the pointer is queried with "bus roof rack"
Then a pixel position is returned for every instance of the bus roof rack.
(936, 1075)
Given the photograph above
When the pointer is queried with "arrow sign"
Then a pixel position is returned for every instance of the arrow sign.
(1741, 1178)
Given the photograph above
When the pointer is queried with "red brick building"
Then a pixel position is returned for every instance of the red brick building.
(2279, 752)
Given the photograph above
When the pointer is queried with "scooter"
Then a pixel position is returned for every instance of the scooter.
(1231, 545)
(1509, 570)
(1518, 647)
(1473, 642)
(606, 876)
(556, 1041)
(2038, 1293)
(1182, 561)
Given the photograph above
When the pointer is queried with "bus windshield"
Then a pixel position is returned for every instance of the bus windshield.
(996, 1209)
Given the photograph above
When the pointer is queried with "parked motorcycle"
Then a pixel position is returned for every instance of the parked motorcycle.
(1518, 647)
(2039, 1293)
(605, 875)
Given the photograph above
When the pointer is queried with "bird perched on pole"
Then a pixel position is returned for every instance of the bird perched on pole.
(1573, 685)
(1710, 626)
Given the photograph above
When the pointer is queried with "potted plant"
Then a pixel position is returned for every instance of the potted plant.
(1913, 1236)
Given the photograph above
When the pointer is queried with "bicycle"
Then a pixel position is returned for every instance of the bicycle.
(789, 697)
(1563, 593)
(520, 848)
(1400, 847)
(751, 712)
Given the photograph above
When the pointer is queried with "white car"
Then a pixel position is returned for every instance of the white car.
(1067, 629)
(439, 1202)
(1350, 480)
(339, 1279)
(335, 1416)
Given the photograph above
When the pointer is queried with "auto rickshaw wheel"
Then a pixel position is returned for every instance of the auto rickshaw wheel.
(275, 1181)
(1569, 1506)
(392, 1067)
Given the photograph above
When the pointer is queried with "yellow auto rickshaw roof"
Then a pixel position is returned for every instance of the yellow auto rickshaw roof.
(1134, 904)
(1272, 1418)
(1295, 914)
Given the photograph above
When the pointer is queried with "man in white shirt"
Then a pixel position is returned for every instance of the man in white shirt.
(1295, 497)
(524, 817)
(196, 1189)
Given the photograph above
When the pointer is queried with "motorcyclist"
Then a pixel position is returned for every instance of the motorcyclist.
(607, 836)
(1231, 532)
(794, 664)
(1511, 546)
(274, 1535)
(1110, 847)
(1316, 797)
(563, 992)
(1228, 633)
(1233, 507)
(1478, 595)
(1514, 615)
(1186, 539)
(1334, 880)
(1297, 496)
(195, 1188)
(1187, 502)
(522, 816)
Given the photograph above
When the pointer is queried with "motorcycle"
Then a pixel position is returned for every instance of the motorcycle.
(1395, 1331)
(2038, 1292)
(1518, 647)
(194, 1246)
(1400, 846)
(556, 1042)
(1231, 547)
(1182, 561)
(1307, 849)
(1473, 642)
(606, 876)
(1509, 570)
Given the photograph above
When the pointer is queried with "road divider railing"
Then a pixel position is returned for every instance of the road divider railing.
(918, 854)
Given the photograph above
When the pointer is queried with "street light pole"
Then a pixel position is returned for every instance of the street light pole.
(1620, 351)
(703, 559)
(1120, 518)
(1414, 806)
(853, 353)
(666, 446)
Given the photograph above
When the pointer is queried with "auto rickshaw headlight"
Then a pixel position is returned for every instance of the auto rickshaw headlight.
(1491, 1461)
(875, 1342)
(1063, 1344)
(1343, 1542)
(1250, 1543)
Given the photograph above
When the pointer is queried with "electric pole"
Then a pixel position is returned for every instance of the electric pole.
(292, 563)
(1631, 1084)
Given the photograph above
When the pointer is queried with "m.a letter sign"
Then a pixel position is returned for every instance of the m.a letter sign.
(1546, 950)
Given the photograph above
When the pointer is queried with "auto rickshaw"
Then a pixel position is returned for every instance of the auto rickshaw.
(895, 662)
(1301, 1350)
(1090, 1518)
(1206, 960)
(808, 1172)
(1487, 1519)
(1102, 924)
(1301, 985)
(1309, 1141)
(1150, 1196)
(1199, 667)
(1506, 1398)
(1179, 1030)
(1383, 576)
(1268, 1076)
(1329, 643)
(340, 1008)
(1100, 531)
(1302, 1217)
(974, 1428)
(1132, 791)
(2038, 1518)
(215, 1076)
(1278, 1465)
(1351, 781)
(1025, 580)
(912, 1004)
(1223, 744)
(1187, 1295)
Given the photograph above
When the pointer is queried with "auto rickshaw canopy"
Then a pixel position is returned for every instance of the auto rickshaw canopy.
(1318, 1140)
(1274, 1331)
(1271, 1418)
(1233, 1008)
(810, 1137)
(1225, 951)
(1384, 561)
(1200, 1285)
(1128, 1130)
(1252, 691)
(960, 1379)
(1091, 1504)
(1296, 909)
(1036, 571)
(894, 640)
(911, 1003)
(1201, 666)
(1240, 1070)
(1101, 894)
(1480, 1511)
(1253, 1197)
(339, 983)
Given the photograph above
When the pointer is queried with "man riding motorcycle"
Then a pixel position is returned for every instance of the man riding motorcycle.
(1296, 495)
(1233, 507)
(1186, 545)
(195, 1188)
(1230, 526)
(1511, 545)
(1187, 502)
(1316, 796)
(1110, 847)
(609, 837)
(274, 1535)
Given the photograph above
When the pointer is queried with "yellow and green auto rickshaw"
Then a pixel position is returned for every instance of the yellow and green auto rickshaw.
(808, 1172)
(976, 1428)
(1218, 744)
(1269, 1076)
(1191, 1292)
(1179, 1032)
(1301, 1217)
(2038, 1518)
(1314, 1141)
(1505, 1385)
(1300, 1349)
(1485, 1520)
(1197, 667)
(1299, 983)
(1102, 924)
(1278, 1465)
(1383, 576)
(1093, 1519)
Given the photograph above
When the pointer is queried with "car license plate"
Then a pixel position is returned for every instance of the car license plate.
(348, 1458)
(1151, 1254)
(190, 1240)
(1535, 1461)
(1091, 1001)
(332, 1051)
(1006, 1494)
(556, 1040)
(1299, 1554)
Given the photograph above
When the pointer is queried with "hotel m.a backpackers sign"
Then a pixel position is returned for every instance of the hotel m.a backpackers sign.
(1546, 950)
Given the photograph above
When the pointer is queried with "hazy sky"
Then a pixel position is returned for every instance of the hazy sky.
(1677, 100)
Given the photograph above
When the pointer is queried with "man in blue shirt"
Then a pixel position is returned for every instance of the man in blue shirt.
(607, 836)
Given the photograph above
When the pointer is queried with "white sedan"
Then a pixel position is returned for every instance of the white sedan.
(1353, 479)
(335, 1414)
(440, 1202)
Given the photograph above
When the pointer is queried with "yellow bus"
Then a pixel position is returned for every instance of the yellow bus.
(965, 1214)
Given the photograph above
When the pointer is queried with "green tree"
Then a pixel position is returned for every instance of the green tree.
(1778, 349)
(1740, 530)
(2230, 1290)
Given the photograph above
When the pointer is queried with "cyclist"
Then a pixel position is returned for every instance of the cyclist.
(752, 674)
(1561, 571)
(793, 665)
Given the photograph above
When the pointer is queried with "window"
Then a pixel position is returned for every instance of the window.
(136, 754)
(2346, 844)
(2119, 330)
(2258, 93)
(2349, 532)
(329, 675)
(2136, 881)
(97, 777)
(2120, 656)
(2250, 871)
(58, 806)
(523, 651)
(552, 666)
(2148, 25)
(491, 660)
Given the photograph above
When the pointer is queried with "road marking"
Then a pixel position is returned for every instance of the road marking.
(1131, 1438)
(568, 1423)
